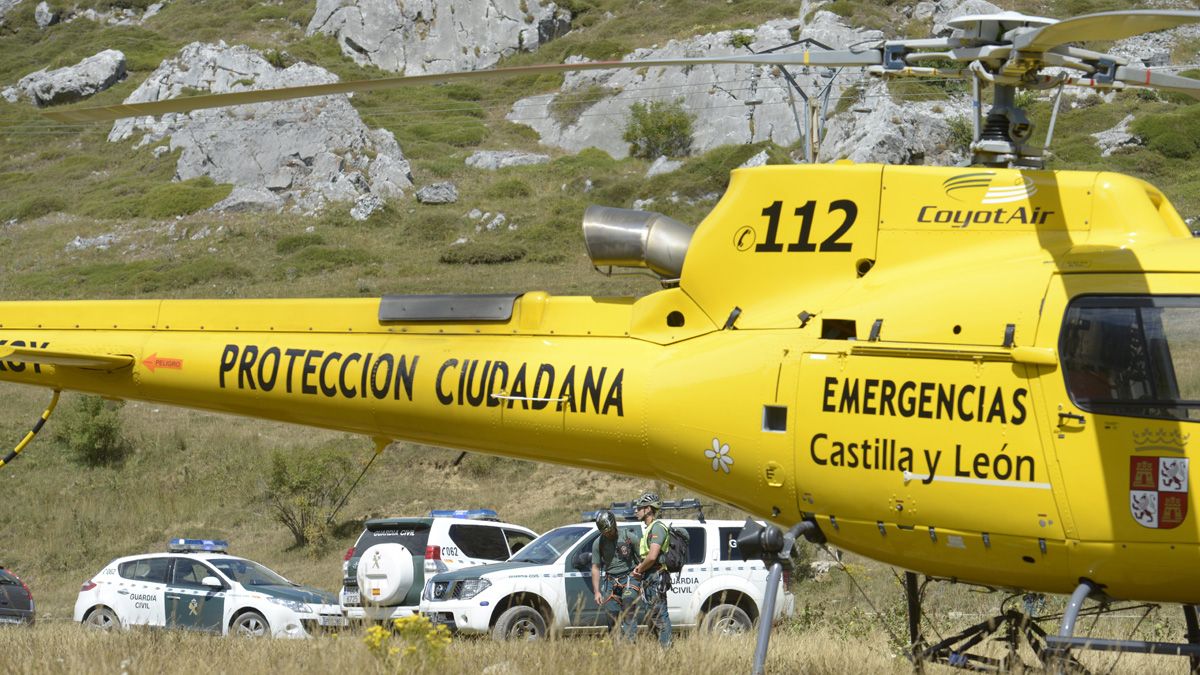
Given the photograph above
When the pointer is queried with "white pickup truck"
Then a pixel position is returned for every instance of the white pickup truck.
(547, 586)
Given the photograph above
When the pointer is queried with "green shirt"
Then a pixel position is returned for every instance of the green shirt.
(606, 557)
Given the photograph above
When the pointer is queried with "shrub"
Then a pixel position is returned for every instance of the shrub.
(90, 430)
(456, 130)
(324, 258)
(1173, 134)
(182, 198)
(741, 40)
(190, 273)
(277, 58)
(659, 128)
(962, 132)
(509, 188)
(303, 488)
(432, 225)
(461, 91)
(123, 4)
(33, 207)
(474, 253)
(296, 242)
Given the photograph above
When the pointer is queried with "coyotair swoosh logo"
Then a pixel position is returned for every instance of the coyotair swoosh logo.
(968, 186)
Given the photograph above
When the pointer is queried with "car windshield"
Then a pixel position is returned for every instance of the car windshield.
(550, 546)
(248, 572)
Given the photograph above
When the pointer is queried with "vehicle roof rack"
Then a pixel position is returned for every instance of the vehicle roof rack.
(624, 510)
(466, 514)
(181, 545)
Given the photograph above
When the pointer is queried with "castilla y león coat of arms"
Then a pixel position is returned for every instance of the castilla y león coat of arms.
(1158, 491)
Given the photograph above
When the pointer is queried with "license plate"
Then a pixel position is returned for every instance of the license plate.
(350, 598)
(331, 620)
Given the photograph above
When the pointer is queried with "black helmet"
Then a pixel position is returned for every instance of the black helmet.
(648, 499)
(606, 521)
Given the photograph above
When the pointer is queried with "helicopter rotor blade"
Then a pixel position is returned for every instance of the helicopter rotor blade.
(1102, 26)
(850, 58)
(1143, 77)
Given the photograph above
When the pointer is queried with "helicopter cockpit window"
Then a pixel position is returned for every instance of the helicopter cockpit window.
(1136, 356)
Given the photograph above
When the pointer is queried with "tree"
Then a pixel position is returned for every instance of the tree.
(659, 128)
(89, 428)
(303, 489)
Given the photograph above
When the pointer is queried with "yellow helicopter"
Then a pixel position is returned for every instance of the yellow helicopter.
(982, 373)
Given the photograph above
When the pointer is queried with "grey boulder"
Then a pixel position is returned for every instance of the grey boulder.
(758, 107)
(306, 152)
(436, 36)
(438, 193)
(45, 16)
(492, 160)
(73, 83)
(890, 132)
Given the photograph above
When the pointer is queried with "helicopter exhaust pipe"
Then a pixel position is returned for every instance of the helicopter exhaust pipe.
(631, 238)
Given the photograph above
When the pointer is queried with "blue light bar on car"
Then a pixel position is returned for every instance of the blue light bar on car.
(198, 546)
(469, 514)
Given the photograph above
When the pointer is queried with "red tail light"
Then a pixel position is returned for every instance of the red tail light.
(349, 554)
(787, 578)
(87, 586)
(433, 552)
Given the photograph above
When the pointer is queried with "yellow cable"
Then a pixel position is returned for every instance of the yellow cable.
(32, 432)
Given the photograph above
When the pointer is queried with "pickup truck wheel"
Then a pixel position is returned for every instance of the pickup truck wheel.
(521, 622)
(726, 620)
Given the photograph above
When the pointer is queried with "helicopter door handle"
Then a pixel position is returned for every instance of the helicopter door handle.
(1065, 417)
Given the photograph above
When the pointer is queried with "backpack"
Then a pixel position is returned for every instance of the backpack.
(676, 554)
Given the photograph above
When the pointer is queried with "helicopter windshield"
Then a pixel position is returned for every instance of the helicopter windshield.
(1134, 355)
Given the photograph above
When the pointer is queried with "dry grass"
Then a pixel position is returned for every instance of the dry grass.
(70, 649)
(67, 648)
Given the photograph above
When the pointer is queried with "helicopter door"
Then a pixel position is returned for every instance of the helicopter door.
(920, 433)
(1121, 407)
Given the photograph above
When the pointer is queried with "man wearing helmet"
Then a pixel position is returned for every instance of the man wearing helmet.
(649, 580)
(612, 561)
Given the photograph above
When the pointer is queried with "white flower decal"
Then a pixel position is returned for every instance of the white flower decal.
(719, 454)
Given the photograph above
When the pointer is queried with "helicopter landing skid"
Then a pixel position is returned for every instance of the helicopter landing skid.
(1012, 627)
(1061, 644)
(1053, 652)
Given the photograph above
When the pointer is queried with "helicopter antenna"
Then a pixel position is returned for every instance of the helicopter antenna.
(1009, 51)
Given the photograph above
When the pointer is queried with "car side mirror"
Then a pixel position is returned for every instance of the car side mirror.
(583, 560)
(211, 582)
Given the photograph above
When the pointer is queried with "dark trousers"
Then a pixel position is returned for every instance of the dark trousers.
(652, 596)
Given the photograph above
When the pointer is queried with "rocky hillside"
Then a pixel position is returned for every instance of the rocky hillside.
(332, 153)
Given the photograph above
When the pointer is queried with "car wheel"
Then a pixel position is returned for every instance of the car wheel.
(726, 620)
(102, 618)
(520, 623)
(250, 624)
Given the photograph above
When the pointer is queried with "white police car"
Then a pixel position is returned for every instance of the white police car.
(384, 572)
(547, 586)
(197, 586)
